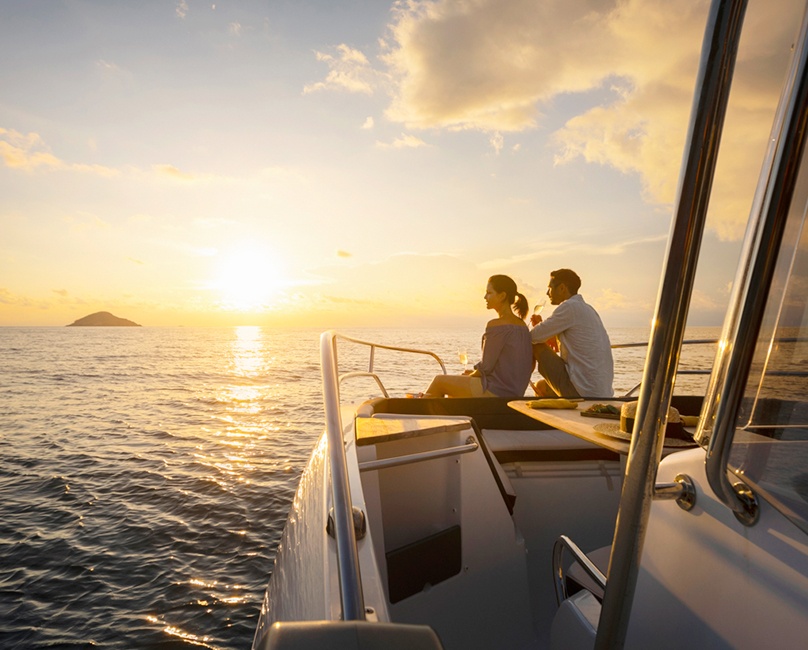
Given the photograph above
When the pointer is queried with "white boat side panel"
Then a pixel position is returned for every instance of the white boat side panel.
(296, 589)
(735, 586)
(578, 499)
(486, 605)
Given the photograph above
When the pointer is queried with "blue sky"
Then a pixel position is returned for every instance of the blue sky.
(358, 163)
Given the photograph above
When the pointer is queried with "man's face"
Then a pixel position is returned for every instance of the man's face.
(557, 292)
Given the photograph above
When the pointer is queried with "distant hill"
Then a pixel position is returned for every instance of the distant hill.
(103, 319)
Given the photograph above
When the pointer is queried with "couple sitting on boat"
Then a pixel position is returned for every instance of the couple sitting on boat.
(583, 367)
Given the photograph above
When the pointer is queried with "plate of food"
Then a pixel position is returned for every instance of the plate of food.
(606, 411)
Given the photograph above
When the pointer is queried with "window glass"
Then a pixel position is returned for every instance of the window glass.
(770, 449)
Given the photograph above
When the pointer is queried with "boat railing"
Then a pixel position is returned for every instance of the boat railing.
(350, 582)
(679, 371)
(372, 347)
(352, 599)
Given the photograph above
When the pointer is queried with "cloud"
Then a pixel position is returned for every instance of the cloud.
(85, 222)
(404, 141)
(9, 298)
(181, 9)
(107, 67)
(368, 123)
(344, 254)
(453, 283)
(349, 71)
(609, 299)
(497, 142)
(701, 301)
(172, 172)
(488, 64)
(18, 151)
(27, 152)
(582, 248)
(497, 65)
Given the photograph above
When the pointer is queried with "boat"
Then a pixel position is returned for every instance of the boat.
(488, 523)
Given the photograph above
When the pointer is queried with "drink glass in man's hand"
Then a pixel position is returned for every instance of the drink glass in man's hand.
(535, 319)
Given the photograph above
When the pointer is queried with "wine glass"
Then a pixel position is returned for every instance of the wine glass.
(539, 306)
(464, 359)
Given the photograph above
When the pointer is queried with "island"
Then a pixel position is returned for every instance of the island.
(103, 319)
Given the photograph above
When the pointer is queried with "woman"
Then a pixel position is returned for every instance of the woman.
(507, 360)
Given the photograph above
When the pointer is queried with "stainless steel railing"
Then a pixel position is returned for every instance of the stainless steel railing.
(707, 118)
(679, 371)
(350, 581)
(350, 587)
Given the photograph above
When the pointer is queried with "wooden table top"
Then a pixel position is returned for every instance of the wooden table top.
(570, 421)
(369, 431)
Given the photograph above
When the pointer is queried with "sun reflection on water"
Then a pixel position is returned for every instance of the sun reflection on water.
(242, 405)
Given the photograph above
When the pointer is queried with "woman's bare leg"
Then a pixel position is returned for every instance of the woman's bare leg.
(451, 386)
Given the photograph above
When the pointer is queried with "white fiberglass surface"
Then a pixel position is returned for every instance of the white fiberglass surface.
(708, 581)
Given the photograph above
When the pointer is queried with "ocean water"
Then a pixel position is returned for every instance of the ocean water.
(146, 473)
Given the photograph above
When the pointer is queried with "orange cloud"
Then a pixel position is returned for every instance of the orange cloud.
(27, 152)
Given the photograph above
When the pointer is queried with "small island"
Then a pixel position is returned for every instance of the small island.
(103, 319)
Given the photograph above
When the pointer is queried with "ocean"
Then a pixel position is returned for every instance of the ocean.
(146, 473)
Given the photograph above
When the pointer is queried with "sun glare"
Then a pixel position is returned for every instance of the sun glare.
(248, 280)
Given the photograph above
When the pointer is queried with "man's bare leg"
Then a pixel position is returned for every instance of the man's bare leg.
(554, 370)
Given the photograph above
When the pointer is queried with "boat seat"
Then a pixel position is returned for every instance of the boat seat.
(575, 625)
(547, 445)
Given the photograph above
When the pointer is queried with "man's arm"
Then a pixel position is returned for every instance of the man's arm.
(561, 320)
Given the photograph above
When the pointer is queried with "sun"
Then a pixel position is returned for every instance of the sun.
(248, 279)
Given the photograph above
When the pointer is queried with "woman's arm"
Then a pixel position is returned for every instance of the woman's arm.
(493, 342)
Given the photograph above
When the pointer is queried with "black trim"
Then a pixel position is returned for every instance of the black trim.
(555, 455)
(428, 561)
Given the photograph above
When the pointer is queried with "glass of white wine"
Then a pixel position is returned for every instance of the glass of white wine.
(464, 359)
(538, 308)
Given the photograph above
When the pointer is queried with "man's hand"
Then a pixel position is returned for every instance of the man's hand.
(535, 319)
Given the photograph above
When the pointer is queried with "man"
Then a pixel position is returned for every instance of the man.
(585, 367)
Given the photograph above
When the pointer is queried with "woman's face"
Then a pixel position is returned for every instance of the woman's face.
(493, 299)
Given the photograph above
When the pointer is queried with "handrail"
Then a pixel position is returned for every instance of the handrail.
(643, 344)
(750, 296)
(564, 542)
(407, 459)
(394, 348)
(350, 581)
(681, 371)
(667, 333)
(373, 375)
(350, 587)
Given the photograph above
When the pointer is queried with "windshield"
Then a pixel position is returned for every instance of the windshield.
(770, 449)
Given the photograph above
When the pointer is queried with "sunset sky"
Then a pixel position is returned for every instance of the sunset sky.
(351, 162)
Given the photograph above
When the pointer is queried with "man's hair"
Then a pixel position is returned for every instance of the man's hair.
(567, 277)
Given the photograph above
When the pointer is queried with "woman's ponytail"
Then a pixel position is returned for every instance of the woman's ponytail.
(520, 306)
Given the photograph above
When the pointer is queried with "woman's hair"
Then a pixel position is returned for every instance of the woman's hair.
(504, 284)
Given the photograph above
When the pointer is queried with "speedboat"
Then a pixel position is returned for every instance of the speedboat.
(493, 523)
